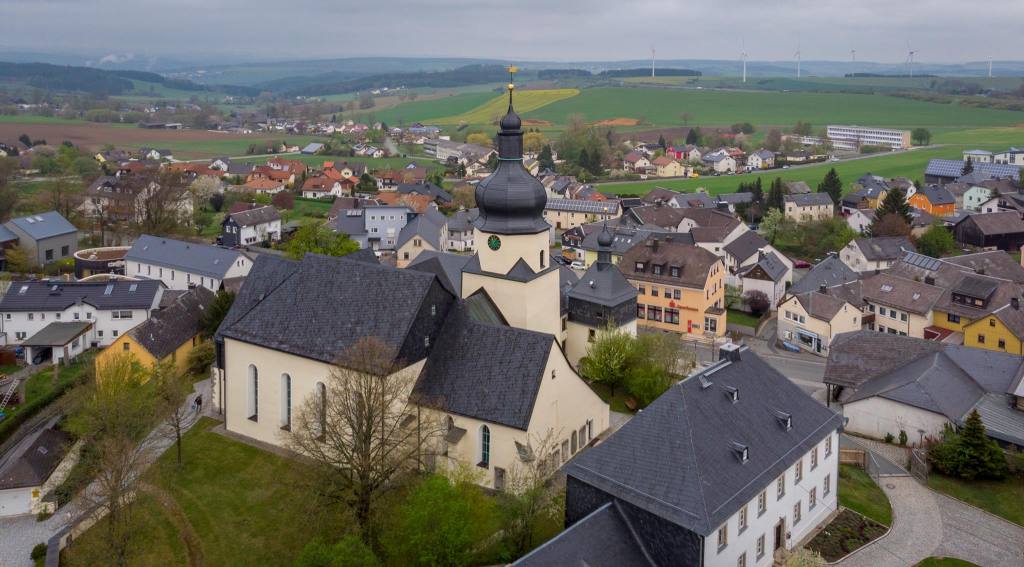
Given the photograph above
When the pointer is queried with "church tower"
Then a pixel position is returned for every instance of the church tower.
(513, 239)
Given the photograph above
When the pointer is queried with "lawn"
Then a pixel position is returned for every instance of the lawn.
(945, 562)
(859, 493)
(525, 101)
(1003, 498)
(663, 107)
(34, 119)
(617, 402)
(155, 542)
(232, 145)
(742, 318)
(235, 497)
(40, 391)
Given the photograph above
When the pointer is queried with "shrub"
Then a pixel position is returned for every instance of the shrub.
(903, 437)
(969, 454)
(889, 437)
(350, 551)
(201, 357)
(757, 301)
(38, 552)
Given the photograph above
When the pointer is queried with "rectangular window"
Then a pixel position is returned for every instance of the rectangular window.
(743, 518)
(760, 547)
(1002, 344)
(641, 311)
(903, 317)
(798, 471)
(812, 498)
(654, 291)
(674, 272)
(672, 315)
(742, 560)
(677, 294)
(981, 339)
(653, 313)
(762, 502)
(49, 255)
(780, 487)
(814, 458)
(827, 487)
(796, 513)
(828, 446)
(64, 251)
(642, 290)
(952, 318)
(115, 332)
(723, 537)
(32, 316)
(125, 346)
(639, 267)
(668, 293)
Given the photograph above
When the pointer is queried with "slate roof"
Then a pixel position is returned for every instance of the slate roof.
(884, 247)
(257, 216)
(1007, 222)
(58, 333)
(937, 195)
(6, 235)
(772, 266)
(430, 189)
(796, 187)
(676, 459)
(445, 265)
(821, 306)
(829, 272)
(202, 259)
(174, 325)
(268, 272)
(426, 225)
(38, 462)
(44, 225)
(323, 307)
(745, 245)
(603, 284)
(484, 371)
(605, 537)
(908, 295)
(59, 295)
(693, 262)
(809, 199)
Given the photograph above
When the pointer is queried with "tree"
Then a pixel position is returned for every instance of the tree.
(316, 238)
(655, 363)
(436, 177)
(661, 141)
(480, 139)
(693, 137)
(440, 523)
(757, 301)
(201, 358)
(771, 224)
(172, 391)
(969, 454)
(534, 141)
(584, 160)
(776, 196)
(921, 136)
(936, 242)
(24, 139)
(803, 128)
(527, 499)
(773, 140)
(890, 224)
(19, 261)
(547, 160)
(350, 551)
(113, 416)
(968, 167)
(607, 358)
(366, 101)
(215, 313)
(464, 196)
(284, 200)
(895, 202)
(685, 118)
(217, 202)
(62, 196)
(832, 185)
(367, 184)
(355, 430)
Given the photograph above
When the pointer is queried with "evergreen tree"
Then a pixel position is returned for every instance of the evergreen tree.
(895, 202)
(583, 160)
(776, 196)
(832, 185)
(596, 166)
(968, 167)
(661, 141)
(545, 158)
(758, 191)
(693, 136)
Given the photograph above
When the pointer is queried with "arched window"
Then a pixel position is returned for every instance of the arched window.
(541, 258)
(321, 409)
(254, 393)
(572, 441)
(485, 446)
(286, 402)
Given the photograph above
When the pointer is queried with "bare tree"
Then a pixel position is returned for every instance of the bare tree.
(159, 198)
(360, 429)
(114, 415)
(173, 389)
(528, 498)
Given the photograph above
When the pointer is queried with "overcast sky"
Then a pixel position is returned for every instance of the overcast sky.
(942, 30)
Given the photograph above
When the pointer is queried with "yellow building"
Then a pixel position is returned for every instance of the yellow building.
(1001, 331)
(680, 287)
(169, 334)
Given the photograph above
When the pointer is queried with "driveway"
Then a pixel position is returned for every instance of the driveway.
(927, 524)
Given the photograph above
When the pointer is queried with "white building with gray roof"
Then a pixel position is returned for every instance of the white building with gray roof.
(181, 265)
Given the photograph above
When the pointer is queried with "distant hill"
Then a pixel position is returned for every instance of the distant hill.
(461, 76)
(90, 80)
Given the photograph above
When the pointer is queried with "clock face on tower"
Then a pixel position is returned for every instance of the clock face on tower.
(493, 242)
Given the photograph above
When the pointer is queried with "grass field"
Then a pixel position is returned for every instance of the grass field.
(849, 84)
(909, 164)
(664, 107)
(493, 109)
(427, 110)
(859, 493)
(742, 318)
(33, 119)
(1003, 498)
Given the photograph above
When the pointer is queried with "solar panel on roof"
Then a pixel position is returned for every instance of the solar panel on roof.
(921, 261)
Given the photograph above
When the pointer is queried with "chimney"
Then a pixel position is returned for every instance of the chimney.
(929, 280)
(730, 352)
(654, 244)
(1015, 303)
(823, 289)
(980, 271)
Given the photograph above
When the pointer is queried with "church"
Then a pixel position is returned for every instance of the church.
(490, 341)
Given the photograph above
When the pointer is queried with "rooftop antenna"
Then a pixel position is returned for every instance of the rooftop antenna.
(652, 61)
(797, 55)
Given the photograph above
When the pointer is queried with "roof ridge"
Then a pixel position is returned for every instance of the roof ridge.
(689, 435)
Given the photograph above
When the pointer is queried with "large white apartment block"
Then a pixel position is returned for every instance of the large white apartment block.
(853, 137)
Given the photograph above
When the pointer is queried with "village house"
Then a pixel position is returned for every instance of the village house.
(373, 227)
(460, 230)
(665, 166)
(812, 320)
(1003, 230)
(720, 162)
(563, 214)
(256, 225)
(424, 231)
(935, 200)
(808, 207)
(263, 186)
(322, 187)
(45, 238)
(872, 254)
(181, 265)
(767, 275)
(761, 159)
(636, 162)
(728, 467)
(680, 287)
(746, 250)
(504, 328)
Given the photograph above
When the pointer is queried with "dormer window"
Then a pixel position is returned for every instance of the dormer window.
(733, 393)
(674, 272)
(640, 267)
(656, 269)
(741, 450)
(785, 419)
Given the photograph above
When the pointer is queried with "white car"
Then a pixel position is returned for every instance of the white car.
(578, 265)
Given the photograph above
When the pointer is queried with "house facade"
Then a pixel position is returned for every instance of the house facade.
(46, 237)
(808, 207)
(873, 254)
(252, 226)
(181, 265)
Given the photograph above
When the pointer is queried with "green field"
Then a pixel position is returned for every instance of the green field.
(1000, 497)
(231, 145)
(526, 101)
(427, 110)
(909, 164)
(846, 84)
(664, 107)
(34, 119)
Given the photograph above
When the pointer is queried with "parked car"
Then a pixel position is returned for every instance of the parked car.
(578, 265)
(799, 264)
(560, 260)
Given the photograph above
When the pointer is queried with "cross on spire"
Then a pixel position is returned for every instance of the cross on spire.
(511, 85)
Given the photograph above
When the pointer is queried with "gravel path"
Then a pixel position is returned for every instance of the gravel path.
(927, 524)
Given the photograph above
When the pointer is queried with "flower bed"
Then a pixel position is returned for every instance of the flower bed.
(847, 532)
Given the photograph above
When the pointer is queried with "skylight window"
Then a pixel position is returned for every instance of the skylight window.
(109, 289)
(23, 289)
(886, 288)
(133, 287)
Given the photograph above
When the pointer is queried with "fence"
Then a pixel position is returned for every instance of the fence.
(860, 458)
(919, 467)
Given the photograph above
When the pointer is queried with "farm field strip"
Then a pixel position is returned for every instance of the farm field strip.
(526, 101)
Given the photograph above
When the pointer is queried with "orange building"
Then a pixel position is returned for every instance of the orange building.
(935, 200)
(680, 287)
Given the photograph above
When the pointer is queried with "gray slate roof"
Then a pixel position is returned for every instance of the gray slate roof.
(604, 538)
(884, 247)
(745, 245)
(938, 195)
(38, 461)
(59, 295)
(6, 235)
(445, 265)
(202, 259)
(829, 272)
(43, 225)
(676, 459)
(772, 265)
(485, 371)
(426, 225)
(602, 284)
(809, 199)
(174, 325)
(257, 216)
(268, 272)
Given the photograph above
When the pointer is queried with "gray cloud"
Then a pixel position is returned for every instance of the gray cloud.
(942, 30)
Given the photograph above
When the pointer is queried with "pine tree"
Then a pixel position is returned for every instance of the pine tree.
(757, 191)
(693, 136)
(984, 457)
(661, 141)
(832, 185)
(583, 160)
(545, 158)
(776, 196)
(895, 202)
(968, 167)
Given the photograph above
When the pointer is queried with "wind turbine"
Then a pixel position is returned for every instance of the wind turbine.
(910, 59)
(797, 55)
(853, 56)
(990, 67)
(743, 57)
(652, 61)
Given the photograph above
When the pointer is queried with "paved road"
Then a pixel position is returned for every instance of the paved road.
(926, 524)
